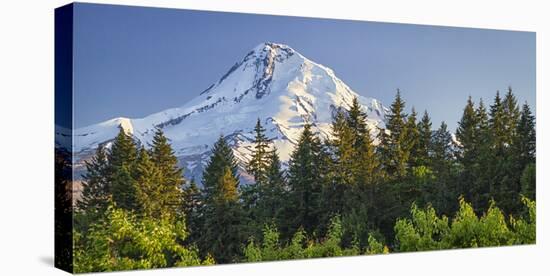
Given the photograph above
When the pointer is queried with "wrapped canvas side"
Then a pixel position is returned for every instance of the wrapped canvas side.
(63, 138)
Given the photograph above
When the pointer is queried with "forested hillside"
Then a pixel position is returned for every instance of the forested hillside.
(415, 189)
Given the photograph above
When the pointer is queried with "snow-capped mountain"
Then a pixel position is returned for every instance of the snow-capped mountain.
(272, 82)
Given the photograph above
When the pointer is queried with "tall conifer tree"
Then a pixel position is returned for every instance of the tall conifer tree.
(304, 179)
(424, 141)
(224, 230)
(95, 187)
(395, 145)
(170, 173)
(467, 135)
(442, 162)
(257, 166)
(413, 139)
(122, 158)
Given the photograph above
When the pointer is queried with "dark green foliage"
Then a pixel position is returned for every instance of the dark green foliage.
(528, 181)
(221, 157)
(223, 230)
(257, 166)
(191, 208)
(95, 186)
(305, 182)
(273, 192)
(343, 176)
(64, 211)
(343, 196)
(424, 141)
(442, 160)
(122, 158)
(468, 135)
(150, 192)
(170, 175)
(396, 149)
(482, 178)
(413, 140)
(525, 142)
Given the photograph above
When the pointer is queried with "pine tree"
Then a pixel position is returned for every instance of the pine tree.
(149, 190)
(192, 210)
(511, 116)
(305, 182)
(274, 192)
(442, 162)
(365, 165)
(510, 186)
(356, 120)
(124, 189)
(497, 126)
(257, 166)
(502, 184)
(121, 159)
(123, 150)
(222, 156)
(95, 187)
(467, 135)
(223, 231)
(413, 139)
(395, 145)
(481, 193)
(170, 179)
(343, 166)
(526, 138)
(424, 141)
(224, 221)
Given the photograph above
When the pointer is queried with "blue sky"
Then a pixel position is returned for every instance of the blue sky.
(132, 61)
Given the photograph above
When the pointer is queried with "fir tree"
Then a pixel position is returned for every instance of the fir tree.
(511, 166)
(224, 221)
(149, 190)
(121, 159)
(525, 143)
(413, 139)
(223, 231)
(356, 120)
(442, 162)
(257, 166)
(123, 151)
(304, 179)
(343, 166)
(504, 184)
(511, 116)
(424, 141)
(95, 187)
(192, 210)
(497, 126)
(395, 145)
(467, 135)
(365, 164)
(170, 179)
(124, 189)
(483, 160)
(221, 157)
(274, 191)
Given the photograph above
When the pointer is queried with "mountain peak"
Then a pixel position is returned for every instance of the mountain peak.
(268, 52)
(272, 46)
(272, 82)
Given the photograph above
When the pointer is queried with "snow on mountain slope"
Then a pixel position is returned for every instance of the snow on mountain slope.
(273, 82)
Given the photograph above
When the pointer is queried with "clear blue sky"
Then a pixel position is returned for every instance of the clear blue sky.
(132, 61)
